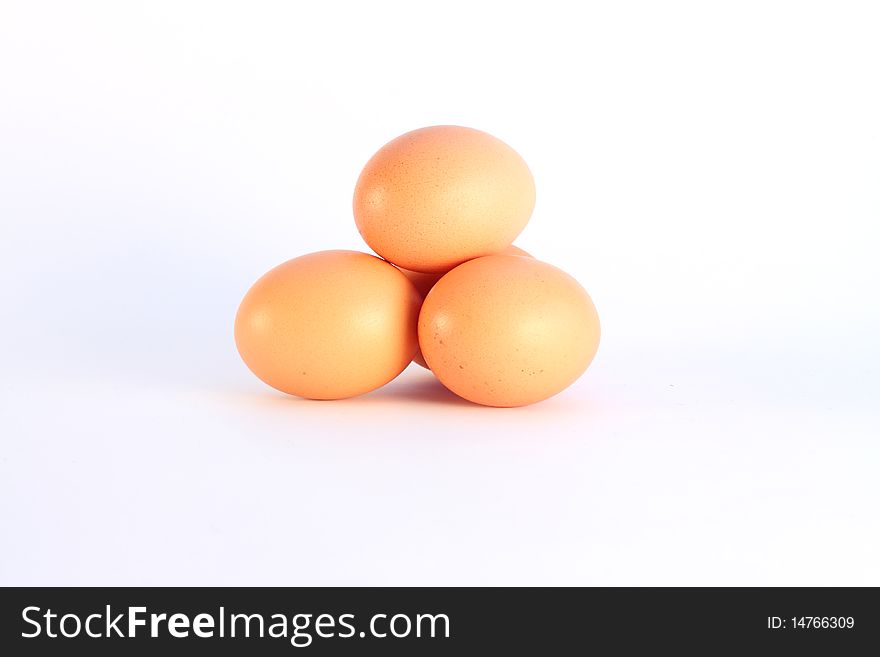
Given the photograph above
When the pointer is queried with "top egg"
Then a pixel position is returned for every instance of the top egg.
(437, 197)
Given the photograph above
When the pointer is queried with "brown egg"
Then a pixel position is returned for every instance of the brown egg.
(329, 325)
(424, 283)
(508, 331)
(436, 197)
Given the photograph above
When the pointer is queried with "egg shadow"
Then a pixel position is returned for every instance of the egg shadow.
(427, 390)
(412, 387)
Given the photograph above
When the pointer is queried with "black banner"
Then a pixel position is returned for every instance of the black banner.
(417, 621)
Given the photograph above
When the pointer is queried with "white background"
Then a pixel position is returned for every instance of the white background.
(708, 171)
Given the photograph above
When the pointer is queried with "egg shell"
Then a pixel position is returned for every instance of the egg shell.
(424, 283)
(329, 325)
(508, 331)
(436, 197)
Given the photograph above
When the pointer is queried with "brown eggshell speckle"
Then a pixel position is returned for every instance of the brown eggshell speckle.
(508, 331)
(329, 325)
(436, 197)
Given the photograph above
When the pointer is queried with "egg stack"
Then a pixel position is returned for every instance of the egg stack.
(441, 206)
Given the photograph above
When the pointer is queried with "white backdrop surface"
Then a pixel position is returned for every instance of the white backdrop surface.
(708, 171)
